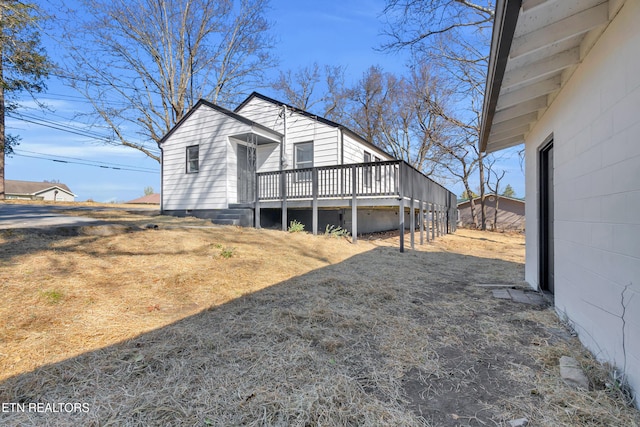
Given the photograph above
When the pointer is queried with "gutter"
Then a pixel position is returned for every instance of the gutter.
(504, 26)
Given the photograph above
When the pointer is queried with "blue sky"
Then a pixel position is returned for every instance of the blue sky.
(332, 32)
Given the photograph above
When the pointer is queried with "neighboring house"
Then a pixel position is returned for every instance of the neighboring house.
(28, 190)
(149, 199)
(564, 79)
(510, 212)
(267, 163)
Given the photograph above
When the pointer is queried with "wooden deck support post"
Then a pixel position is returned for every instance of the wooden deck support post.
(412, 221)
(426, 220)
(314, 203)
(354, 205)
(401, 184)
(256, 214)
(433, 221)
(283, 191)
(421, 219)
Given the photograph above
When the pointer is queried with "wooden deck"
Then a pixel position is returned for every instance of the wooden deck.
(391, 183)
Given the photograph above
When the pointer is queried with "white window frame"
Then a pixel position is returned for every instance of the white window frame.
(367, 170)
(303, 176)
(192, 167)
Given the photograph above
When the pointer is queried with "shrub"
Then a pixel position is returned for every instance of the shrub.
(336, 231)
(296, 226)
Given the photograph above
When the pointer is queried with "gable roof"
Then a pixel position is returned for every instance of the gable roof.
(148, 199)
(32, 188)
(535, 48)
(222, 110)
(314, 117)
(501, 197)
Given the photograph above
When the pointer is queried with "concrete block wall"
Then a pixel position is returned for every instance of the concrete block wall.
(595, 125)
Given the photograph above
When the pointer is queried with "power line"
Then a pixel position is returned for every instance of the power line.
(70, 129)
(98, 162)
(84, 164)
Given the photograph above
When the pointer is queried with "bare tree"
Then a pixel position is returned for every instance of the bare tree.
(298, 87)
(494, 188)
(370, 98)
(23, 65)
(453, 36)
(143, 63)
(315, 90)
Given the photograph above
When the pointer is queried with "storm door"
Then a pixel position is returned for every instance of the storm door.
(247, 172)
(546, 248)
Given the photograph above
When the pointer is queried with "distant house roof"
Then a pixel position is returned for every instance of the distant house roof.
(475, 199)
(149, 199)
(32, 188)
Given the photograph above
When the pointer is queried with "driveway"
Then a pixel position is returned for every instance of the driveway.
(42, 216)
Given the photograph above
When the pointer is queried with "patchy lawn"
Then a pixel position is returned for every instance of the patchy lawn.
(229, 326)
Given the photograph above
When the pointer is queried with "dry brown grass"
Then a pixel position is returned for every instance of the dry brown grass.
(158, 327)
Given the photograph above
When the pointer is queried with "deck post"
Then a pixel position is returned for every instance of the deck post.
(421, 219)
(283, 191)
(433, 221)
(256, 214)
(426, 221)
(412, 222)
(354, 204)
(401, 184)
(314, 203)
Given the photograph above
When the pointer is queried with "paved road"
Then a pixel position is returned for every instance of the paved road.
(41, 216)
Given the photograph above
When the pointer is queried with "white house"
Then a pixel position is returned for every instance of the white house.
(29, 190)
(267, 163)
(564, 79)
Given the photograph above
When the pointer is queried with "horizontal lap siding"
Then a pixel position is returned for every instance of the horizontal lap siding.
(208, 188)
(354, 151)
(300, 128)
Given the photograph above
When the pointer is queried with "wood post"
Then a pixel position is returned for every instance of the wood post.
(314, 203)
(283, 191)
(433, 221)
(421, 219)
(401, 184)
(412, 222)
(354, 205)
(256, 213)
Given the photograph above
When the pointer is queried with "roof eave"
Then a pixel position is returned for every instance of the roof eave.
(504, 26)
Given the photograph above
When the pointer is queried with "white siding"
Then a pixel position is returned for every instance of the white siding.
(209, 188)
(354, 151)
(300, 128)
(60, 196)
(595, 122)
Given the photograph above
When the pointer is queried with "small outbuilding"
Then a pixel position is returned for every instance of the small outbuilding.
(29, 190)
(510, 212)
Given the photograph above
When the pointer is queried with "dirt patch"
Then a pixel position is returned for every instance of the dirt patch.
(231, 326)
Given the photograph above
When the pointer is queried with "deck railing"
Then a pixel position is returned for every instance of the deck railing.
(371, 179)
(393, 178)
(395, 182)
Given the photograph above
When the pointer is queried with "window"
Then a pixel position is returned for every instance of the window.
(367, 170)
(303, 158)
(378, 174)
(193, 164)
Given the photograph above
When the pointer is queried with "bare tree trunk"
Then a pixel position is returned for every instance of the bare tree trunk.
(2, 130)
(483, 212)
